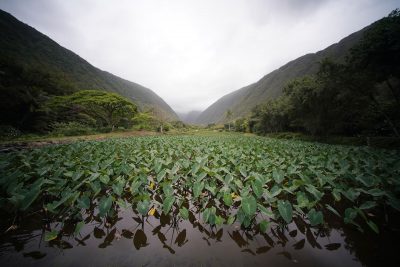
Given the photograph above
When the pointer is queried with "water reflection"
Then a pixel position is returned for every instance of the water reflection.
(162, 240)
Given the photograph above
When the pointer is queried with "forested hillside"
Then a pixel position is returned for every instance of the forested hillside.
(242, 101)
(33, 68)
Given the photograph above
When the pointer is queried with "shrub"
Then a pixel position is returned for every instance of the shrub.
(71, 128)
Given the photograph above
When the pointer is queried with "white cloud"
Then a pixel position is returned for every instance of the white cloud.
(193, 52)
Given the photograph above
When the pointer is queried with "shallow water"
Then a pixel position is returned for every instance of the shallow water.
(163, 241)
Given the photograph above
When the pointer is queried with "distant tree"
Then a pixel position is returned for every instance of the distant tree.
(108, 109)
(228, 116)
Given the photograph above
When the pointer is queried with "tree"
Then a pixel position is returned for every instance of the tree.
(228, 116)
(107, 109)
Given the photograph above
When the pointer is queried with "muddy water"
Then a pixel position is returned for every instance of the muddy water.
(165, 241)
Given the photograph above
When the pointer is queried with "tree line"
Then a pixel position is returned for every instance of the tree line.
(360, 96)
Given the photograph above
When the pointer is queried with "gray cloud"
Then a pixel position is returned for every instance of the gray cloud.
(193, 52)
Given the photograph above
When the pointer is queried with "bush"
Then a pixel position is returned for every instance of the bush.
(9, 132)
(71, 128)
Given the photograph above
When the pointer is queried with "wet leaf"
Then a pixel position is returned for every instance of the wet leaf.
(285, 210)
(51, 235)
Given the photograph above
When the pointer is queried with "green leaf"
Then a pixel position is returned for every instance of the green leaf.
(265, 211)
(167, 205)
(278, 176)
(105, 205)
(302, 200)
(104, 179)
(349, 215)
(78, 227)
(264, 226)
(368, 205)
(161, 175)
(231, 220)
(249, 205)
(32, 194)
(285, 210)
(197, 188)
(228, 199)
(315, 217)
(143, 207)
(83, 202)
(257, 188)
(184, 213)
(329, 207)
(219, 220)
(206, 215)
(118, 188)
(373, 226)
(50, 235)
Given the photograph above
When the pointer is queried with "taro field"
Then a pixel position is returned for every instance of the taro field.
(198, 200)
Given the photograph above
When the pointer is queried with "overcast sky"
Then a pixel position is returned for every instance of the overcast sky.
(193, 52)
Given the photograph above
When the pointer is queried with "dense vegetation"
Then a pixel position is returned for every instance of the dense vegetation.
(254, 181)
(360, 96)
(34, 68)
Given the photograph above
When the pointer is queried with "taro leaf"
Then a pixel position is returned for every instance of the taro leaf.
(181, 238)
(333, 246)
(231, 220)
(140, 239)
(349, 215)
(219, 220)
(336, 194)
(367, 181)
(118, 188)
(206, 215)
(228, 199)
(161, 175)
(278, 176)
(375, 192)
(351, 194)
(264, 226)
(104, 179)
(78, 227)
(394, 203)
(249, 205)
(201, 176)
(285, 210)
(184, 213)
(212, 218)
(143, 207)
(300, 244)
(83, 202)
(302, 200)
(329, 207)
(197, 188)
(32, 194)
(168, 189)
(51, 235)
(168, 202)
(314, 191)
(373, 226)
(315, 217)
(265, 211)
(368, 205)
(104, 205)
(257, 188)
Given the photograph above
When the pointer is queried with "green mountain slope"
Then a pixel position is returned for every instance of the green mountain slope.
(26, 47)
(242, 101)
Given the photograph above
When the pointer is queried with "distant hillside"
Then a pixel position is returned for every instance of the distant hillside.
(189, 117)
(242, 101)
(24, 46)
